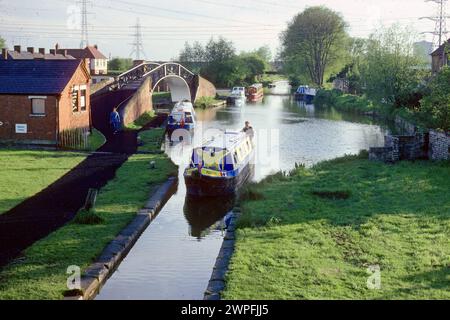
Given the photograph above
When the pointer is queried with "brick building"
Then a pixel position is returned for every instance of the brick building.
(98, 63)
(31, 53)
(42, 99)
(441, 57)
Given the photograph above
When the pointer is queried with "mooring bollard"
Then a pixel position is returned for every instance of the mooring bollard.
(152, 165)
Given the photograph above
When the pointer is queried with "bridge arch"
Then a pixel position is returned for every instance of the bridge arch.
(179, 88)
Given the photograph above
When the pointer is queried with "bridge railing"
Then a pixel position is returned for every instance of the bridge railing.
(135, 73)
(154, 70)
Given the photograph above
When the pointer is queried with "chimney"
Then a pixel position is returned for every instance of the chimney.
(30, 49)
(17, 49)
(95, 46)
(42, 50)
(56, 47)
(64, 52)
(5, 53)
(52, 51)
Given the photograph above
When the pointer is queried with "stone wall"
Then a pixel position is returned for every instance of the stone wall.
(433, 145)
(439, 145)
(404, 126)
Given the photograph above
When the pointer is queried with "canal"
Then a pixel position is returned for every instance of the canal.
(174, 257)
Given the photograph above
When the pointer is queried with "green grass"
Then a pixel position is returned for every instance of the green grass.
(96, 140)
(313, 234)
(206, 102)
(140, 122)
(159, 96)
(26, 172)
(152, 140)
(41, 273)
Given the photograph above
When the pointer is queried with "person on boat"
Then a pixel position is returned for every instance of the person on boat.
(114, 120)
(248, 129)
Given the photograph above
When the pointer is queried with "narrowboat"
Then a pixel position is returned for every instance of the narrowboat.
(221, 165)
(181, 117)
(305, 93)
(255, 92)
(237, 95)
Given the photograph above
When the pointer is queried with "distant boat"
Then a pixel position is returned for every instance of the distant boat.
(181, 117)
(221, 165)
(305, 93)
(237, 95)
(255, 92)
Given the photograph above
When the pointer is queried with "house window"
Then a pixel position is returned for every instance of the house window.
(75, 99)
(38, 106)
(83, 98)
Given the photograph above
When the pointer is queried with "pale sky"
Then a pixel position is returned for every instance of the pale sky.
(166, 25)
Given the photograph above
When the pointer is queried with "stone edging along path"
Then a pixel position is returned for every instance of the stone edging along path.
(96, 275)
(217, 281)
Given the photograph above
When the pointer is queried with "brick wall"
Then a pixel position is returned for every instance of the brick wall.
(204, 88)
(138, 104)
(16, 109)
(74, 120)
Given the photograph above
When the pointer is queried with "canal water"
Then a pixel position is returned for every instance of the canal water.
(174, 257)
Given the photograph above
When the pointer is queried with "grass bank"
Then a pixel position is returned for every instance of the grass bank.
(26, 172)
(207, 102)
(140, 122)
(41, 272)
(314, 233)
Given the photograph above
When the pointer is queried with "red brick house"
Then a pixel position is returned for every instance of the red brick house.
(98, 63)
(42, 99)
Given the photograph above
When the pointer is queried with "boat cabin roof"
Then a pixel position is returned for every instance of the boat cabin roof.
(183, 106)
(227, 140)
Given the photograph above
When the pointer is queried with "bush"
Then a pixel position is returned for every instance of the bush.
(435, 106)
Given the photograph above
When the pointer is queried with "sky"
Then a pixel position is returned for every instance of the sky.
(167, 24)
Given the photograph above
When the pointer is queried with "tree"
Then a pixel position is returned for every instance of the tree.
(2, 42)
(253, 64)
(219, 51)
(315, 38)
(120, 64)
(435, 106)
(391, 72)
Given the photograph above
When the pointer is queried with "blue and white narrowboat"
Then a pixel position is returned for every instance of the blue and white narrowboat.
(305, 93)
(182, 117)
(221, 165)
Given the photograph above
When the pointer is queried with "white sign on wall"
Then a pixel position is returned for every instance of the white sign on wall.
(21, 128)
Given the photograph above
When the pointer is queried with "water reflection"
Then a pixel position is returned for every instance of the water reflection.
(206, 214)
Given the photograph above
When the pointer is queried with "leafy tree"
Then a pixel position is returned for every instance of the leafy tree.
(391, 71)
(435, 106)
(2, 42)
(253, 64)
(316, 38)
(120, 64)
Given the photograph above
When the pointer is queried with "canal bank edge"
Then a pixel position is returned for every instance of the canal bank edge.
(96, 275)
(216, 283)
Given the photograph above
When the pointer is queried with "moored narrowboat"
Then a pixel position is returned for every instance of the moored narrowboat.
(221, 165)
(181, 117)
(305, 93)
(236, 96)
(255, 92)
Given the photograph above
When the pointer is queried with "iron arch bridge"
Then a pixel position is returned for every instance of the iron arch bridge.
(182, 82)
